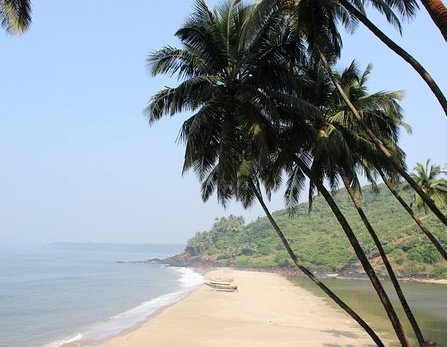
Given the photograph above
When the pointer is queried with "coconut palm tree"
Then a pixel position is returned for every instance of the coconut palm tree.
(301, 168)
(324, 42)
(390, 176)
(406, 56)
(248, 188)
(238, 86)
(392, 171)
(382, 147)
(438, 13)
(234, 115)
(317, 45)
(427, 177)
(15, 15)
(391, 183)
(339, 147)
(320, 17)
(353, 152)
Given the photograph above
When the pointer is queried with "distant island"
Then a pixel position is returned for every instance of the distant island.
(117, 247)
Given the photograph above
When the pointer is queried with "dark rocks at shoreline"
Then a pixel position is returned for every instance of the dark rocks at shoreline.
(352, 271)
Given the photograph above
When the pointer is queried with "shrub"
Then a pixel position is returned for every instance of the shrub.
(440, 270)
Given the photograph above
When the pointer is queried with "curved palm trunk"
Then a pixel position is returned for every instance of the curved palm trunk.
(386, 262)
(309, 274)
(438, 14)
(424, 229)
(401, 52)
(429, 202)
(383, 296)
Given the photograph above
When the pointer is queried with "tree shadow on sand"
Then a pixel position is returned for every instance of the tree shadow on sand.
(341, 333)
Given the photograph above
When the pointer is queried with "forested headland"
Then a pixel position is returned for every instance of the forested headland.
(318, 239)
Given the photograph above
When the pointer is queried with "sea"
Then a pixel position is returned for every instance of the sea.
(84, 293)
(81, 294)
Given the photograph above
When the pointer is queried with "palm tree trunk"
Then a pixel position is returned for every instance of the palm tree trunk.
(428, 201)
(401, 52)
(383, 296)
(438, 14)
(310, 275)
(386, 262)
(417, 220)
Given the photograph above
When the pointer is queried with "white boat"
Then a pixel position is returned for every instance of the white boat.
(221, 285)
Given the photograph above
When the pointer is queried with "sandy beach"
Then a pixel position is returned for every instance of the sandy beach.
(267, 310)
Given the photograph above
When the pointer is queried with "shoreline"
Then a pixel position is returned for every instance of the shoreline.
(431, 281)
(267, 310)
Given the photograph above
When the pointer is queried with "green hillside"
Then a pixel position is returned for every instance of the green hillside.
(320, 242)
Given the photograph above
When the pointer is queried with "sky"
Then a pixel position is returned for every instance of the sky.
(78, 161)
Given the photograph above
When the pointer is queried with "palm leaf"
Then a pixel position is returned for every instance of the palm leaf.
(15, 15)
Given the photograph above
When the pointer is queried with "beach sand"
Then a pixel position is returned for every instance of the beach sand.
(267, 310)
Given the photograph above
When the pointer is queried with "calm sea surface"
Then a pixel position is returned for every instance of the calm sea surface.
(428, 303)
(49, 296)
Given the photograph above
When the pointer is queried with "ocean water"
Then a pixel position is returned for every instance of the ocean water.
(83, 293)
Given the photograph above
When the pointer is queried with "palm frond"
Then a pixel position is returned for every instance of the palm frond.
(15, 15)
(173, 61)
(294, 186)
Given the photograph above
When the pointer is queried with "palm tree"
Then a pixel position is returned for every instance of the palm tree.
(438, 14)
(373, 136)
(289, 146)
(391, 182)
(383, 296)
(390, 176)
(238, 86)
(406, 8)
(319, 19)
(316, 22)
(387, 153)
(322, 37)
(413, 62)
(15, 15)
(338, 150)
(248, 188)
(308, 273)
(427, 177)
(353, 150)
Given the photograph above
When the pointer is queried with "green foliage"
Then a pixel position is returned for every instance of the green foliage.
(318, 240)
(398, 255)
(424, 254)
(440, 270)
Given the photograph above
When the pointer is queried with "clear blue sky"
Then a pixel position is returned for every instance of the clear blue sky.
(78, 161)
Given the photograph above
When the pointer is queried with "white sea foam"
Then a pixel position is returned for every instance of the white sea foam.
(189, 278)
(58, 343)
(115, 325)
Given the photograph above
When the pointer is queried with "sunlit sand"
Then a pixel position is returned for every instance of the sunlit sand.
(266, 310)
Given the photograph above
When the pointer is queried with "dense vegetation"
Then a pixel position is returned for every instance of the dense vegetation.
(318, 239)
